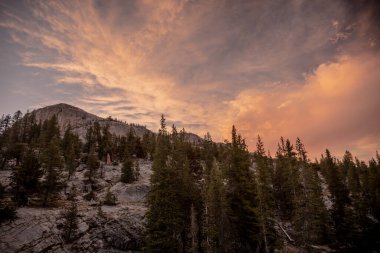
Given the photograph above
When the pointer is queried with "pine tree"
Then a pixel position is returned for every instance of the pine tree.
(49, 131)
(106, 143)
(127, 171)
(5, 124)
(169, 204)
(2, 190)
(71, 143)
(90, 138)
(358, 218)
(266, 204)
(70, 161)
(131, 143)
(52, 165)
(148, 143)
(340, 213)
(310, 217)
(136, 171)
(98, 140)
(7, 208)
(26, 178)
(70, 224)
(216, 224)
(110, 198)
(208, 152)
(16, 127)
(240, 197)
(282, 181)
(92, 166)
(374, 186)
(7, 211)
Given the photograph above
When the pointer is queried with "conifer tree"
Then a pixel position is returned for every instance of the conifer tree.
(110, 198)
(26, 178)
(5, 124)
(7, 211)
(49, 131)
(359, 215)
(240, 197)
(136, 170)
(1, 191)
(149, 142)
(106, 143)
(127, 171)
(216, 224)
(97, 135)
(131, 142)
(340, 213)
(122, 148)
(310, 217)
(208, 152)
(70, 143)
(266, 204)
(374, 186)
(16, 127)
(168, 203)
(92, 166)
(70, 161)
(91, 141)
(52, 165)
(70, 224)
(282, 181)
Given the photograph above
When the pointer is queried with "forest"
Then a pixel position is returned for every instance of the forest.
(203, 197)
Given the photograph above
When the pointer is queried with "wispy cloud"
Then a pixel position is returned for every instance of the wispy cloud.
(270, 66)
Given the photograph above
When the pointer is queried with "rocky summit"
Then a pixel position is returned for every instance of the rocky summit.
(80, 120)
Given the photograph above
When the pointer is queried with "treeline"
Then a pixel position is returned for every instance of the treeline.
(222, 198)
(205, 197)
(42, 159)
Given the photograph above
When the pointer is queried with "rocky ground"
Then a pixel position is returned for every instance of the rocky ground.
(116, 228)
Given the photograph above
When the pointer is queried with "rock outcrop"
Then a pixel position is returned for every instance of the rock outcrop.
(116, 228)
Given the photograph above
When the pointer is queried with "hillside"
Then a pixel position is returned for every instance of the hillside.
(118, 228)
(81, 120)
(164, 193)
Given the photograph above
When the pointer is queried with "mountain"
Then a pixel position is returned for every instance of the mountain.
(102, 227)
(81, 120)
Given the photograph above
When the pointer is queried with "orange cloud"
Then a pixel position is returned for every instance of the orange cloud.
(337, 107)
(211, 64)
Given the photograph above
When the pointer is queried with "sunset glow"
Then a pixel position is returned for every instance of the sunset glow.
(307, 69)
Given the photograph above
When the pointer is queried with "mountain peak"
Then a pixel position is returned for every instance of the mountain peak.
(80, 120)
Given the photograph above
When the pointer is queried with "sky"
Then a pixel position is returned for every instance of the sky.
(291, 68)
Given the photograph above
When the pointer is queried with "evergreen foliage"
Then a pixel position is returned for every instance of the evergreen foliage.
(127, 171)
(92, 166)
(52, 165)
(110, 199)
(26, 178)
(240, 197)
(265, 197)
(206, 196)
(70, 224)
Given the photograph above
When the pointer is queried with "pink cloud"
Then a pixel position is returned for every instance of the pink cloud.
(337, 107)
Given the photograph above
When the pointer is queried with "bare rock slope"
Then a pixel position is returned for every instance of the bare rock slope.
(81, 120)
(116, 228)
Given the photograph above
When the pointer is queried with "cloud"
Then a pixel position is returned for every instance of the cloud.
(269, 67)
(335, 108)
